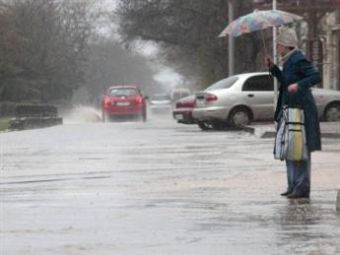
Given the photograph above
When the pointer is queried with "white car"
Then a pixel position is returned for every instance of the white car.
(160, 103)
(240, 99)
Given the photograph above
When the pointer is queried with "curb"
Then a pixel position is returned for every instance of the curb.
(271, 133)
(248, 129)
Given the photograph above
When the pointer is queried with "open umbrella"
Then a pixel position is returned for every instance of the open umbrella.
(259, 20)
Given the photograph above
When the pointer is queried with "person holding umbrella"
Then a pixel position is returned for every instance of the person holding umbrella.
(298, 75)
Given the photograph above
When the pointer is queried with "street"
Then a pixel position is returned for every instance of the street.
(133, 188)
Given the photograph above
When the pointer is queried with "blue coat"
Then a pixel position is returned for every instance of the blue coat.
(297, 69)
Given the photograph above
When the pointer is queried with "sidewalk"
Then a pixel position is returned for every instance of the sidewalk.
(328, 130)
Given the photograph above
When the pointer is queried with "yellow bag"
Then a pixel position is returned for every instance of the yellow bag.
(295, 135)
(290, 141)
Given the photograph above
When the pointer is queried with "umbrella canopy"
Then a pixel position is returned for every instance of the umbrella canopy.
(259, 20)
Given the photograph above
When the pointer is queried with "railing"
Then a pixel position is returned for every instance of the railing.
(35, 116)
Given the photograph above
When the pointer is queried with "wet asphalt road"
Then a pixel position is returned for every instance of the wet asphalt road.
(159, 188)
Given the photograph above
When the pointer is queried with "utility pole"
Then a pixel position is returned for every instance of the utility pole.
(337, 51)
(275, 57)
(274, 35)
(230, 39)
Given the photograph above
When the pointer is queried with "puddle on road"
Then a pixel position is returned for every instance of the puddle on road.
(160, 203)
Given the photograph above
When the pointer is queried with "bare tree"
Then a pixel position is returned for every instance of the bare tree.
(187, 33)
(53, 39)
(11, 43)
(50, 48)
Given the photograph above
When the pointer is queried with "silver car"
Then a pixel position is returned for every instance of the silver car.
(160, 103)
(240, 99)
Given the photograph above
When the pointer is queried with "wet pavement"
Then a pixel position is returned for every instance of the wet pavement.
(159, 188)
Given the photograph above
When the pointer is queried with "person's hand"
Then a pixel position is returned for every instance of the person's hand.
(268, 61)
(293, 88)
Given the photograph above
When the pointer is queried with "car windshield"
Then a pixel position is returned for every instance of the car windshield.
(223, 84)
(123, 92)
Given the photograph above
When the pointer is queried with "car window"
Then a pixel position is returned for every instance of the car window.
(259, 83)
(123, 92)
(223, 84)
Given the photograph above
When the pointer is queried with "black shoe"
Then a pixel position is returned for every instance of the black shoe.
(295, 195)
(286, 193)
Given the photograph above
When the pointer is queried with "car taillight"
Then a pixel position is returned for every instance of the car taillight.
(107, 102)
(139, 100)
(210, 97)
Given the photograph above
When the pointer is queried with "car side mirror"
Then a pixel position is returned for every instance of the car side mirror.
(146, 97)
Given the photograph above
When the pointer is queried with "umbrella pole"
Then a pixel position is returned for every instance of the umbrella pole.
(264, 46)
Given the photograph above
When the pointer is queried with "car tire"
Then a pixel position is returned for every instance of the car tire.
(240, 117)
(332, 112)
(204, 125)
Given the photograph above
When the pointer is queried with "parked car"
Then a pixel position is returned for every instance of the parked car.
(182, 111)
(240, 99)
(160, 103)
(123, 101)
(178, 93)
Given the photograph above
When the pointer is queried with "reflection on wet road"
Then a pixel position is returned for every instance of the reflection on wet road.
(159, 188)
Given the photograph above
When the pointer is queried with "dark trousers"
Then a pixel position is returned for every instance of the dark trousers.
(299, 176)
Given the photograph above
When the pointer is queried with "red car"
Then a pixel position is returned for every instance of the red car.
(123, 101)
(183, 110)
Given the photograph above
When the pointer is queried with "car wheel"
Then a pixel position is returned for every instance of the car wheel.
(332, 112)
(204, 125)
(240, 117)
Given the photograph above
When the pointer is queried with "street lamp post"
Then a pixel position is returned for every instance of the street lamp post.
(230, 39)
(275, 57)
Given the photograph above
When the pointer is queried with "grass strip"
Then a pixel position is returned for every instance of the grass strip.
(4, 123)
